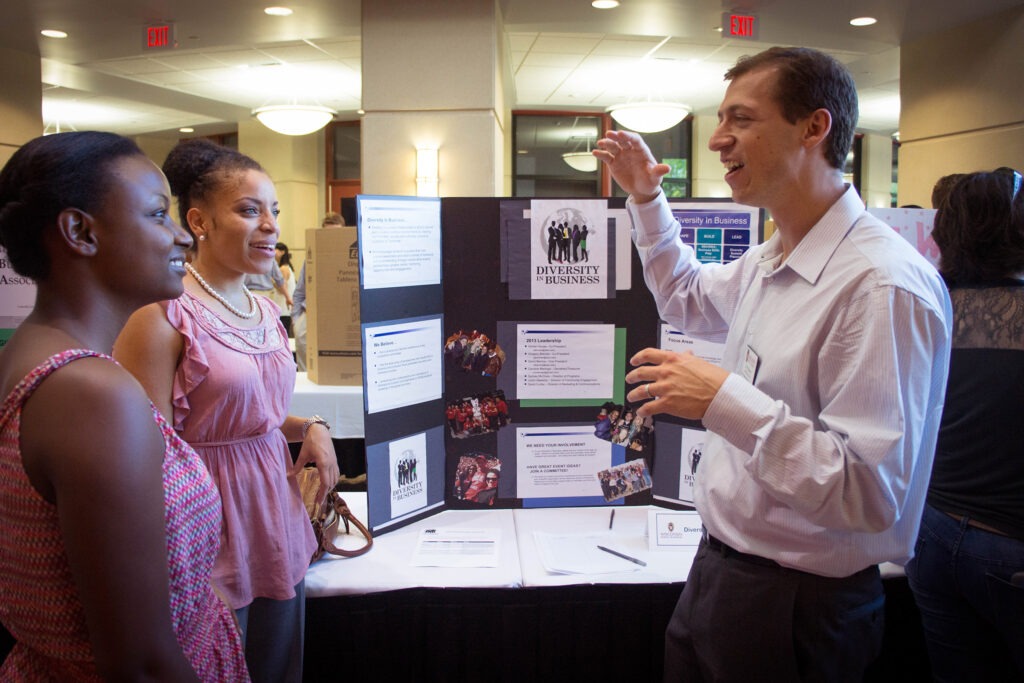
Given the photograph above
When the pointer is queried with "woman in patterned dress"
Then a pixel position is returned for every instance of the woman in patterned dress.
(217, 363)
(110, 521)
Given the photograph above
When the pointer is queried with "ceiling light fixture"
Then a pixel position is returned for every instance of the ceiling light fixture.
(278, 11)
(294, 119)
(604, 4)
(863, 21)
(585, 162)
(648, 117)
(187, 129)
(53, 33)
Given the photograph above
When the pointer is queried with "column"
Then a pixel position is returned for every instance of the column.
(435, 74)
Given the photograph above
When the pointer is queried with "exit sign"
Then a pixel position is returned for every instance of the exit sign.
(158, 37)
(739, 26)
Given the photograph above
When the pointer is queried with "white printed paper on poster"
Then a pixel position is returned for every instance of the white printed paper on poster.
(562, 360)
(674, 340)
(569, 248)
(408, 467)
(403, 364)
(557, 461)
(400, 241)
(691, 449)
(19, 293)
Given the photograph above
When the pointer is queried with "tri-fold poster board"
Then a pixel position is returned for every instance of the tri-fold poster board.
(496, 339)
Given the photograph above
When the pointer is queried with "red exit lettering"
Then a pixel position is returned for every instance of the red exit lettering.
(741, 26)
(156, 36)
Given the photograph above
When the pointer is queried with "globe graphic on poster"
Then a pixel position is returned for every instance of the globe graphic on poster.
(568, 216)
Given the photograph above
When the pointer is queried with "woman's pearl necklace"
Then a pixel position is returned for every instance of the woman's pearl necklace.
(219, 297)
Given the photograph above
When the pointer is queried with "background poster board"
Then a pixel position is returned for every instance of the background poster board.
(19, 296)
(915, 225)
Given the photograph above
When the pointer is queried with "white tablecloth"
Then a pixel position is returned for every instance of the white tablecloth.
(341, 406)
(627, 535)
(388, 564)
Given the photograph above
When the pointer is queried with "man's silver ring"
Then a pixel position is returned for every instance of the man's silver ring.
(647, 390)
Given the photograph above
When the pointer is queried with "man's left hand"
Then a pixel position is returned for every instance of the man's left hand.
(679, 384)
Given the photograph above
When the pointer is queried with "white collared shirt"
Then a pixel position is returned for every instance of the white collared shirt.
(822, 463)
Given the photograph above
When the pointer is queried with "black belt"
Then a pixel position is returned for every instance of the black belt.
(728, 551)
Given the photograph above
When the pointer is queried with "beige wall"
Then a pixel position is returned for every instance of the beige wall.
(21, 105)
(962, 103)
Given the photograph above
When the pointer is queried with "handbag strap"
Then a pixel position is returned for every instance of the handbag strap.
(345, 514)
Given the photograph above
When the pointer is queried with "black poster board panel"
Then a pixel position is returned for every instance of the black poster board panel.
(476, 298)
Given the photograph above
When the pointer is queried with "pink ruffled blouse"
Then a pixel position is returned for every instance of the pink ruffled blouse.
(232, 390)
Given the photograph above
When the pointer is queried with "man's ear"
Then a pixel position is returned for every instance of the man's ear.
(817, 126)
(76, 230)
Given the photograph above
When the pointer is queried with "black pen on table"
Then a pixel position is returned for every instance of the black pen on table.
(624, 556)
(611, 520)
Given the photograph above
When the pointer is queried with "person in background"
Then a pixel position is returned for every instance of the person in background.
(216, 363)
(110, 521)
(942, 187)
(823, 416)
(331, 219)
(271, 284)
(967, 574)
(283, 257)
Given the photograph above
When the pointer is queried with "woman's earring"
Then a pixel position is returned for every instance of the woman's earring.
(202, 238)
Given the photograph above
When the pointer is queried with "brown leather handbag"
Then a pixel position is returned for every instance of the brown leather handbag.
(327, 516)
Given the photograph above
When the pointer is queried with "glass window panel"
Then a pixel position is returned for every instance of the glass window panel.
(540, 167)
(345, 164)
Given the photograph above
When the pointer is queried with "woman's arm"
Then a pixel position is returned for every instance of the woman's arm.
(150, 349)
(317, 448)
(91, 445)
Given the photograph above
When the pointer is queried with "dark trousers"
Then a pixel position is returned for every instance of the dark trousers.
(971, 609)
(273, 632)
(744, 618)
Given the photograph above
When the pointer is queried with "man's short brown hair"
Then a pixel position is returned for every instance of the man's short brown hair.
(810, 80)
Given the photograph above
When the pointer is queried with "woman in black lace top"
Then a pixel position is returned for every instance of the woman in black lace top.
(968, 571)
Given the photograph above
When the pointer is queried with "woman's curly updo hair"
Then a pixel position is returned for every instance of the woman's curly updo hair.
(197, 167)
(46, 176)
(979, 229)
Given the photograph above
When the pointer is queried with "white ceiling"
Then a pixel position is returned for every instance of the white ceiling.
(231, 57)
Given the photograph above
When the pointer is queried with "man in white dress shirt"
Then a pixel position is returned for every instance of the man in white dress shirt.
(822, 418)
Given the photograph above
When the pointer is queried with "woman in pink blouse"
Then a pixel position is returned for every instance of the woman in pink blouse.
(217, 363)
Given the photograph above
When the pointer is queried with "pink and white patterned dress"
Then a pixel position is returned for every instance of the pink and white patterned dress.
(39, 603)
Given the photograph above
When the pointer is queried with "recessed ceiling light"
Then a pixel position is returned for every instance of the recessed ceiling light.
(604, 4)
(279, 11)
(863, 21)
(186, 130)
(53, 33)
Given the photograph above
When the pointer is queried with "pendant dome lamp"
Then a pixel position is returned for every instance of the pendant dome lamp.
(648, 117)
(294, 119)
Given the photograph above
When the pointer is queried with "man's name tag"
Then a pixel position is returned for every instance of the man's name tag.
(750, 363)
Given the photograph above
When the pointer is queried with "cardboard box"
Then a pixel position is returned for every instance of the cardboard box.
(333, 336)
